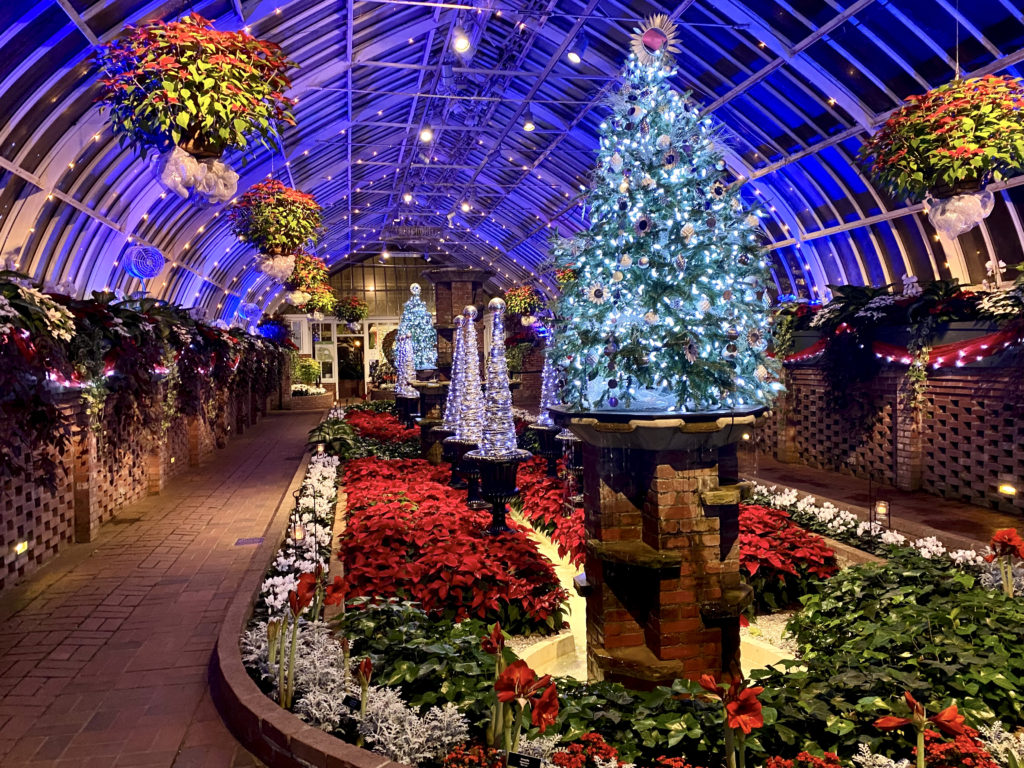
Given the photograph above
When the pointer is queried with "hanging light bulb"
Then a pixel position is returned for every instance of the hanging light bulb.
(460, 40)
(528, 124)
(407, 197)
(577, 49)
(466, 206)
(426, 133)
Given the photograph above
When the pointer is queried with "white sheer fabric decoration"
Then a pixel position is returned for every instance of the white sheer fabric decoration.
(278, 268)
(297, 298)
(211, 179)
(910, 286)
(953, 216)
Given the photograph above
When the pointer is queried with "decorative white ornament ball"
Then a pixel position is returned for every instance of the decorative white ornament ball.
(643, 261)
(664, 141)
(415, 289)
(624, 186)
(752, 220)
(497, 304)
(651, 318)
(617, 276)
(626, 260)
(469, 311)
(705, 304)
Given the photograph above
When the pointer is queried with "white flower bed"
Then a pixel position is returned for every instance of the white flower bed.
(315, 517)
(304, 390)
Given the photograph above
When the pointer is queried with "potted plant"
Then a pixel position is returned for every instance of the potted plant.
(947, 144)
(190, 91)
(310, 291)
(523, 300)
(351, 310)
(277, 219)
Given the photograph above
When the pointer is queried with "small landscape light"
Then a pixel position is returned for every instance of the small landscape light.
(21, 548)
(1006, 489)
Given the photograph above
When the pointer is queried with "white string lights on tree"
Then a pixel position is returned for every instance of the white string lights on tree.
(450, 420)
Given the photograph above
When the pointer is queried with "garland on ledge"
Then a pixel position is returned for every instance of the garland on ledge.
(956, 354)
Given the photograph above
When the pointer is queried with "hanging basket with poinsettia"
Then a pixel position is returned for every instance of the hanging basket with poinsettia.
(310, 290)
(351, 309)
(278, 220)
(523, 300)
(945, 145)
(190, 92)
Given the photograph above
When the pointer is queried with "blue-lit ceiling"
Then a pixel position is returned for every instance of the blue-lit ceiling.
(796, 85)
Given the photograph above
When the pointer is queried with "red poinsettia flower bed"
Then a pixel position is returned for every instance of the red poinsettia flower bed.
(411, 536)
(381, 426)
(544, 506)
(778, 556)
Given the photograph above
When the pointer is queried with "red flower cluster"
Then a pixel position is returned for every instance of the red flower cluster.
(770, 540)
(520, 683)
(965, 751)
(591, 747)
(543, 506)
(1005, 543)
(949, 720)
(381, 426)
(806, 760)
(476, 756)
(742, 707)
(411, 536)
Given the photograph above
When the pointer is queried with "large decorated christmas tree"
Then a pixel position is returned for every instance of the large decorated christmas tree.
(664, 303)
(417, 321)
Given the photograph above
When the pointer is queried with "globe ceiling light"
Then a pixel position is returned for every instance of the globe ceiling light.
(407, 197)
(466, 206)
(528, 123)
(577, 49)
(460, 40)
(427, 133)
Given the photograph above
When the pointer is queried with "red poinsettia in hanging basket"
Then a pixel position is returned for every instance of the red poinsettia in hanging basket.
(277, 219)
(191, 91)
(185, 83)
(951, 140)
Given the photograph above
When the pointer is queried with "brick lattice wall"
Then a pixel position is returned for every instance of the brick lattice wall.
(966, 442)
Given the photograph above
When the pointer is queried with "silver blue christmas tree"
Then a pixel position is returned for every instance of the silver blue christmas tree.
(548, 390)
(470, 426)
(450, 420)
(667, 305)
(403, 367)
(417, 322)
(499, 431)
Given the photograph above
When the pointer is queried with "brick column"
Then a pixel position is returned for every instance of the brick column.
(785, 448)
(454, 288)
(664, 591)
(908, 445)
(84, 472)
(157, 461)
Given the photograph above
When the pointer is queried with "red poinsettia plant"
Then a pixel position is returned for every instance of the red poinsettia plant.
(380, 426)
(351, 309)
(523, 300)
(276, 219)
(185, 83)
(967, 132)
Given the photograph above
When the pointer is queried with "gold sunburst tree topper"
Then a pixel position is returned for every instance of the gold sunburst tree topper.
(656, 34)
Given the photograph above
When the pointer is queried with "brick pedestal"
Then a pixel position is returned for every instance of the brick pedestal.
(664, 592)
(454, 289)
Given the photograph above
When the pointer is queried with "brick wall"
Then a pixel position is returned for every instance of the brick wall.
(528, 394)
(96, 480)
(963, 445)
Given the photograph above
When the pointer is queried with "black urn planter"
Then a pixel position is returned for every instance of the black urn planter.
(549, 447)
(498, 484)
(408, 410)
(454, 452)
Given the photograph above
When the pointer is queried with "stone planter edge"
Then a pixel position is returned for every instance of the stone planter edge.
(273, 735)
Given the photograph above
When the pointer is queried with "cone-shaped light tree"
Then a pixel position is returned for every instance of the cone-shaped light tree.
(499, 431)
(664, 305)
(417, 321)
(404, 372)
(450, 420)
(470, 425)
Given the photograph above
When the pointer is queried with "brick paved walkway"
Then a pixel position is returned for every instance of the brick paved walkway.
(104, 651)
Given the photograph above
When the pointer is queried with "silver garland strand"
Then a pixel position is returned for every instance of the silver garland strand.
(470, 426)
(450, 421)
(548, 390)
(499, 432)
(404, 367)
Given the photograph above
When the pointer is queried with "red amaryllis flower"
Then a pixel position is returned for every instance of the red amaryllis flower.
(949, 721)
(1005, 542)
(495, 642)
(709, 684)
(365, 670)
(300, 598)
(889, 722)
(544, 711)
(518, 681)
(744, 711)
(335, 592)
